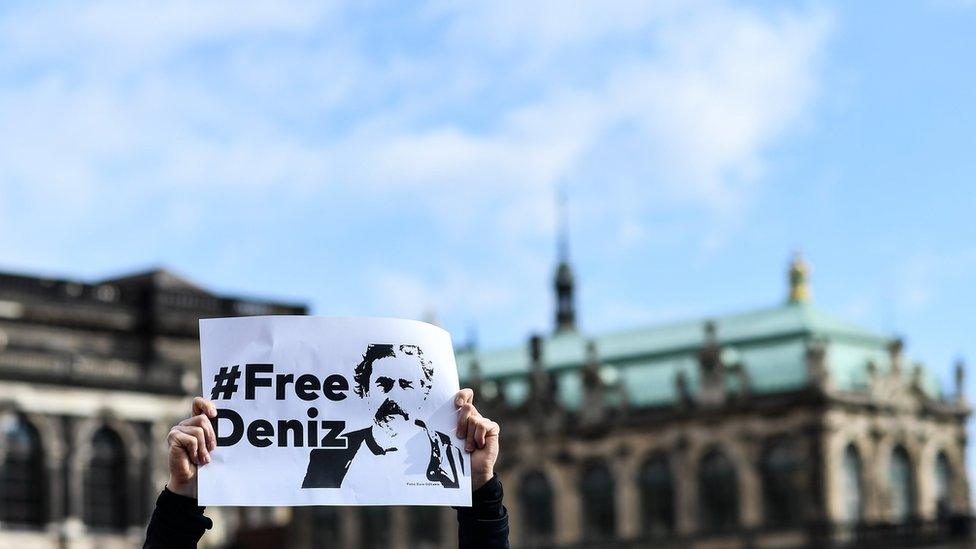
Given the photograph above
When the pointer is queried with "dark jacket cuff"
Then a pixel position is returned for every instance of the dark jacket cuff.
(485, 523)
(486, 501)
(177, 522)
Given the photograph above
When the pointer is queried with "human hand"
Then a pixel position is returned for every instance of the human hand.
(190, 444)
(481, 438)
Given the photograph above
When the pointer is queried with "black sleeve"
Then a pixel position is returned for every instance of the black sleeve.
(485, 523)
(176, 523)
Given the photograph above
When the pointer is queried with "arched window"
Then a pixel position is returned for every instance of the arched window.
(718, 493)
(326, 526)
(656, 496)
(599, 510)
(374, 528)
(425, 527)
(852, 485)
(105, 482)
(943, 486)
(535, 502)
(781, 473)
(22, 485)
(901, 480)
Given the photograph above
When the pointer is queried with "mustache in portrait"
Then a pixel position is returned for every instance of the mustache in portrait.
(388, 409)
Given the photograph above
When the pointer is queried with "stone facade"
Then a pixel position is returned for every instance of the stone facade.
(856, 448)
(816, 425)
(92, 377)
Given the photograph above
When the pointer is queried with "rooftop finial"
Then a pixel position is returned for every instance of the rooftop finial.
(799, 280)
(564, 282)
(960, 379)
(562, 226)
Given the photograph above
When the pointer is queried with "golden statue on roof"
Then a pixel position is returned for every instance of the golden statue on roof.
(799, 280)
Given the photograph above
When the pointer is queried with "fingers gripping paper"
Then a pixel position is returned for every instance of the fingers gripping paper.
(332, 411)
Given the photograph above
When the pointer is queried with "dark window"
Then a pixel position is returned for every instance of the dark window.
(943, 486)
(326, 529)
(22, 485)
(535, 502)
(900, 482)
(852, 485)
(599, 511)
(781, 473)
(718, 493)
(425, 527)
(656, 496)
(374, 527)
(105, 483)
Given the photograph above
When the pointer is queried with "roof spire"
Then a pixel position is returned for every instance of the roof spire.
(799, 280)
(562, 226)
(564, 281)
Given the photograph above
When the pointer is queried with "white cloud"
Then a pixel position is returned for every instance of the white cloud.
(407, 295)
(111, 35)
(480, 109)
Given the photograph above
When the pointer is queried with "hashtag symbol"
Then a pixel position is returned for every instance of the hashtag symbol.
(225, 382)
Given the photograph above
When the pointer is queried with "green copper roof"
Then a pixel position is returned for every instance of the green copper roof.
(770, 343)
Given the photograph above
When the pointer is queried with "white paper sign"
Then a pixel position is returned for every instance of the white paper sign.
(332, 411)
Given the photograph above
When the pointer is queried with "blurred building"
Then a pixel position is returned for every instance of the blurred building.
(92, 377)
(779, 427)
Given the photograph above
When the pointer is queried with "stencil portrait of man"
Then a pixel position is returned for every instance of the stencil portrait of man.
(394, 381)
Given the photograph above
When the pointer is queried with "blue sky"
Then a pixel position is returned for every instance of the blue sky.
(378, 162)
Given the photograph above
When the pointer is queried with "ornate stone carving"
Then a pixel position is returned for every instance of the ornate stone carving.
(816, 355)
(711, 390)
